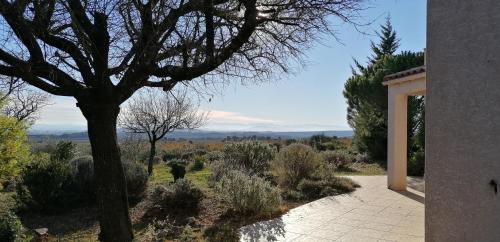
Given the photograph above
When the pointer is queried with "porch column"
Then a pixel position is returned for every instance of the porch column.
(397, 140)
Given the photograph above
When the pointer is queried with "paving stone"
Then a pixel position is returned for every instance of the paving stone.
(371, 213)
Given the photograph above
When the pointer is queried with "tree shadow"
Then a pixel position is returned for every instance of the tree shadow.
(417, 183)
(271, 230)
(230, 226)
(77, 220)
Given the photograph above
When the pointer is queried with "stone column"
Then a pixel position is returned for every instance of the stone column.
(397, 140)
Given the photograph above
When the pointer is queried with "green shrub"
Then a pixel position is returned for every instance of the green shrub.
(326, 186)
(189, 154)
(64, 150)
(10, 227)
(52, 185)
(251, 157)
(178, 169)
(180, 195)
(171, 155)
(362, 157)
(47, 184)
(219, 169)
(84, 178)
(338, 158)
(292, 195)
(249, 194)
(136, 177)
(322, 142)
(14, 148)
(416, 164)
(294, 163)
(159, 231)
(187, 234)
(199, 163)
(214, 156)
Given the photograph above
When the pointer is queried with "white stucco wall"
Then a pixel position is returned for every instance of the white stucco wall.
(463, 120)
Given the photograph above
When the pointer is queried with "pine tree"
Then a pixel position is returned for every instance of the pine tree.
(367, 100)
(388, 43)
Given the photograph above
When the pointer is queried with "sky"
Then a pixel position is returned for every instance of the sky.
(310, 100)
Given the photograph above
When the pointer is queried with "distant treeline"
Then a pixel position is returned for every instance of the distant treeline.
(208, 135)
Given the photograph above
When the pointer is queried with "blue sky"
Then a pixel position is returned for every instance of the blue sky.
(310, 100)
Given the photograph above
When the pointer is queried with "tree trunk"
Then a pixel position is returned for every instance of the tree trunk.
(114, 219)
(152, 153)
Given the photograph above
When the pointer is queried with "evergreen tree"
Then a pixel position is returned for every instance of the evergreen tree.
(388, 44)
(367, 100)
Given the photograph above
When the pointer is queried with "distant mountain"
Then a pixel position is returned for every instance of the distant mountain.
(206, 135)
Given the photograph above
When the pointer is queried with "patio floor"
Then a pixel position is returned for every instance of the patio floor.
(371, 213)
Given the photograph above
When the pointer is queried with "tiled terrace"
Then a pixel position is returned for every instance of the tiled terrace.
(371, 213)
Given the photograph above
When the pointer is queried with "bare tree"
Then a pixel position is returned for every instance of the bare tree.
(21, 102)
(101, 52)
(157, 113)
(131, 146)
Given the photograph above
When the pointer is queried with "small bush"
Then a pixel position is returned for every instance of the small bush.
(181, 194)
(322, 142)
(362, 157)
(187, 234)
(416, 164)
(136, 177)
(251, 157)
(10, 227)
(84, 178)
(171, 155)
(64, 151)
(292, 195)
(157, 160)
(199, 163)
(178, 169)
(338, 158)
(189, 154)
(294, 163)
(214, 156)
(47, 184)
(249, 194)
(52, 185)
(219, 169)
(328, 186)
(183, 154)
(14, 148)
(159, 231)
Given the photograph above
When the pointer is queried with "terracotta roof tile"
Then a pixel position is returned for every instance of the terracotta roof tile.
(404, 73)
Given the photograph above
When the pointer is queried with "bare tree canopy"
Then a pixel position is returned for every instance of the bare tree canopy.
(101, 52)
(67, 47)
(21, 102)
(156, 113)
